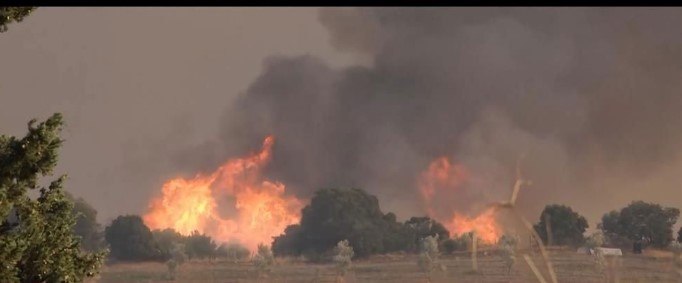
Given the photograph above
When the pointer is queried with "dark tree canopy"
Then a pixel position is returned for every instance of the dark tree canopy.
(10, 15)
(37, 243)
(130, 240)
(166, 241)
(338, 214)
(567, 226)
(679, 235)
(200, 246)
(87, 227)
(641, 220)
(421, 227)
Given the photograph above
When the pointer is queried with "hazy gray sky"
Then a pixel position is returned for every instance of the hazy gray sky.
(128, 79)
(592, 93)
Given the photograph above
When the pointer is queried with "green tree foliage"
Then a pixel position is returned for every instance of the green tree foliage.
(200, 246)
(10, 15)
(567, 226)
(130, 240)
(420, 227)
(87, 227)
(642, 220)
(167, 241)
(37, 243)
(337, 214)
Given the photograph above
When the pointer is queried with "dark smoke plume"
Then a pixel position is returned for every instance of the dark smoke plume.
(591, 95)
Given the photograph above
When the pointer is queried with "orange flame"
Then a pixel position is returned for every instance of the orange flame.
(262, 209)
(443, 175)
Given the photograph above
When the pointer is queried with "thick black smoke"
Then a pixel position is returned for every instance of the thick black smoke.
(583, 92)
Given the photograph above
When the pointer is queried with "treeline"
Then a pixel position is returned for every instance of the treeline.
(48, 236)
(335, 215)
(129, 239)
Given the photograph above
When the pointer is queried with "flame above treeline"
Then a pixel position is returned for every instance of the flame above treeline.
(261, 210)
(443, 176)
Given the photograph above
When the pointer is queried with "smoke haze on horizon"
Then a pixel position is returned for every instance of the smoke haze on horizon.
(591, 96)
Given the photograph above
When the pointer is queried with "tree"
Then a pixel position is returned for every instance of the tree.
(642, 221)
(37, 243)
(679, 235)
(87, 228)
(130, 240)
(337, 214)
(200, 246)
(9, 15)
(565, 225)
(233, 251)
(167, 240)
(420, 227)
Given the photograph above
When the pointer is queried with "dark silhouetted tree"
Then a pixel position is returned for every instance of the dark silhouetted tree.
(419, 228)
(641, 220)
(200, 246)
(567, 226)
(130, 240)
(334, 215)
(37, 243)
(10, 15)
(167, 241)
(87, 228)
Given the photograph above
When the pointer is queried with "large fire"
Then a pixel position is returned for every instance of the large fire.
(443, 175)
(261, 210)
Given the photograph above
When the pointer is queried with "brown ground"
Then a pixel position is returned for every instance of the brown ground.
(653, 266)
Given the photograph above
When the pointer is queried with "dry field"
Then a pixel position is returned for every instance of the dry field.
(569, 266)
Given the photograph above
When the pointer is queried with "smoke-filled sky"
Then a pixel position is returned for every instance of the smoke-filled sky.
(359, 97)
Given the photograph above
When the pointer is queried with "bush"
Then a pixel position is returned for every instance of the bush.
(234, 252)
(507, 245)
(198, 245)
(344, 255)
(263, 261)
(428, 256)
(166, 242)
(130, 240)
(567, 226)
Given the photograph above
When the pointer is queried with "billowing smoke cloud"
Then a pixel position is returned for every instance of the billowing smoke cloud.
(591, 96)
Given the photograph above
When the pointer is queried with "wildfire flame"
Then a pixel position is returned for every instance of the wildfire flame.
(262, 211)
(443, 175)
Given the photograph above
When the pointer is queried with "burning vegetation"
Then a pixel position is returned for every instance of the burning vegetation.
(262, 210)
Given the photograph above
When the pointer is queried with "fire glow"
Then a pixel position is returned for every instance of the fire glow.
(262, 211)
(443, 175)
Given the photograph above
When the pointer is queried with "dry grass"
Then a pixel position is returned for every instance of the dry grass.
(569, 267)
